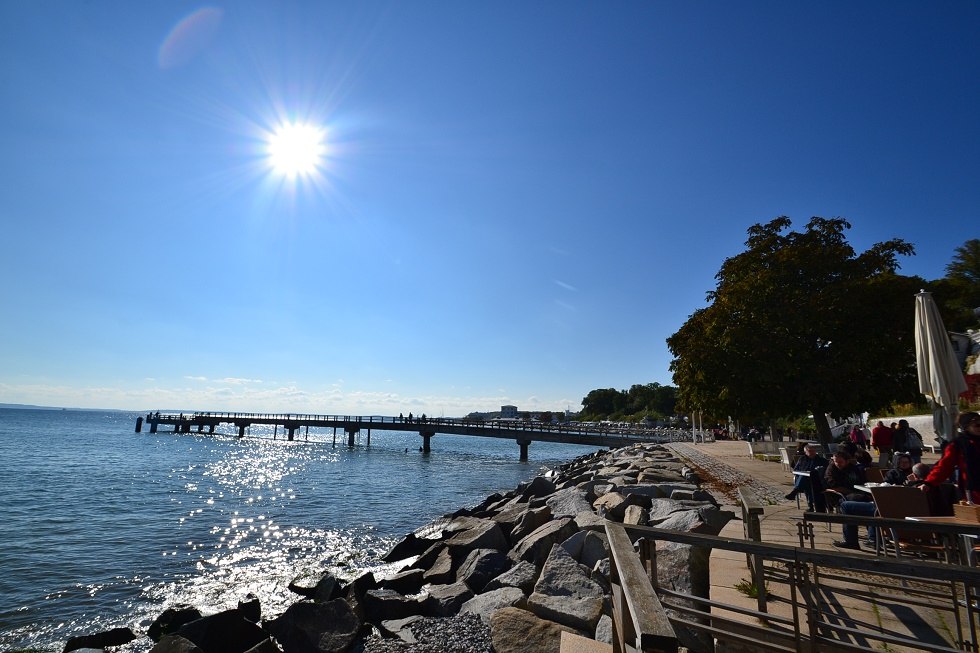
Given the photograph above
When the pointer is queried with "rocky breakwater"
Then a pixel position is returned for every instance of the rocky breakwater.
(507, 575)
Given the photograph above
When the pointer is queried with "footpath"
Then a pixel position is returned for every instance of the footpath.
(727, 465)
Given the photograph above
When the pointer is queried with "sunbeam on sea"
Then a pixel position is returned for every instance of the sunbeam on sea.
(104, 527)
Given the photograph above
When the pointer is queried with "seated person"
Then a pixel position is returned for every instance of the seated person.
(863, 458)
(812, 462)
(863, 508)
(843, 474)
(899, 474)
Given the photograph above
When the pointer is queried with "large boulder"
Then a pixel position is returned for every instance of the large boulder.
(480, 567)
(174, 644)
(171, 619)
(224, 632)
(113, 637)
(565, 594)
(404, 582)
(446, 600)
(635, 516)
(411, 545)
(383, 605)
(485, 534)
(513, 630)
(522, 575)
(536, 546)
(489, 602)
(443, 569)
(529, 522)
(329, 627)
(568, 502)
(539, 486)
(611, 505)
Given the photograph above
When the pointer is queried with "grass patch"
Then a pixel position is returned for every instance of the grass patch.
(749, 589)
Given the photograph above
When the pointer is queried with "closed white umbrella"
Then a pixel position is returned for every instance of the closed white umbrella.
(940, 377)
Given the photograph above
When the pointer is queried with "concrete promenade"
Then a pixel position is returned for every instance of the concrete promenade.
(729, 465)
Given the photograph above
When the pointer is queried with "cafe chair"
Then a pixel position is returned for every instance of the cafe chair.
(899, 502)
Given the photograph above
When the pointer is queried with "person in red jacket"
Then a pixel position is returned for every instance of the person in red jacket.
(881, 439)
(963, 453)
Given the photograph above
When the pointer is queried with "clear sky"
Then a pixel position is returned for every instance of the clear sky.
(508, 202)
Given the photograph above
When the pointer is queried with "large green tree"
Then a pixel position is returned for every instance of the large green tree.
(958, 293)
(801, 323)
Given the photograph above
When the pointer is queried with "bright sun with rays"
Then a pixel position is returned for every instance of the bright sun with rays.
(296, 149)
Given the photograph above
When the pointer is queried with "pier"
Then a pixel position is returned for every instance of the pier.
(523, 432)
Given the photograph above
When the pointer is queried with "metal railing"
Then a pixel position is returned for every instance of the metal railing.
(809, 588)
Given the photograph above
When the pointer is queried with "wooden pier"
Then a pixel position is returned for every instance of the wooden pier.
(522, 432)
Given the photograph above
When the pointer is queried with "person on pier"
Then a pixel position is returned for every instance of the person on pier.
(813, 463)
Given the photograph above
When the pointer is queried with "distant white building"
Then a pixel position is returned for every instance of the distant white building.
(508, 411)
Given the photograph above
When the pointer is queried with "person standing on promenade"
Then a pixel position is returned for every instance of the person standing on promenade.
(962, 454)
(813, 463)
(881, 439)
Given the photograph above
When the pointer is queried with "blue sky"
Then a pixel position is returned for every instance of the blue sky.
(518, 202)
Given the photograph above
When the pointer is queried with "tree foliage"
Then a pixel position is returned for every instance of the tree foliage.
(650, 399)
(958, 294)
(801, 323)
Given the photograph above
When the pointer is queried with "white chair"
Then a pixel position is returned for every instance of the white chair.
(784, 459)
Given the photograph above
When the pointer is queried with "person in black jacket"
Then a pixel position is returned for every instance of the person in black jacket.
(814, 463)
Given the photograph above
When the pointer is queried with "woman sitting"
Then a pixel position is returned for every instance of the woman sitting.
(899, 474)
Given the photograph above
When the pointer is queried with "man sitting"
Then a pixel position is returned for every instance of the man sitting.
(814, 464)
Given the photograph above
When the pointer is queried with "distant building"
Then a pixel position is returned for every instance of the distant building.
(508, 412)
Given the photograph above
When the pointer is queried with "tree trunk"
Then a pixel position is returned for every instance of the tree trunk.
(823, 427)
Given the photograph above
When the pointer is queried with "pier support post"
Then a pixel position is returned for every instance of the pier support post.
(523, 444)
(211, 428)
(350, 436)
(291, 433)
(153, 425)
(241, 430)
(426, 440)
(139, 424)
(369, 438)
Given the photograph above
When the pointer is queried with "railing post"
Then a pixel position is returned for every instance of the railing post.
(752, 529)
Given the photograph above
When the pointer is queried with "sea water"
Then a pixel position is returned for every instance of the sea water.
(103, 527)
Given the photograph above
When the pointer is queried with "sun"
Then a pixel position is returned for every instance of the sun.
(296, 149)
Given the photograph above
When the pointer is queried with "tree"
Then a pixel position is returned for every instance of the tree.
(800, 323)
(604, 402)
(958, 294)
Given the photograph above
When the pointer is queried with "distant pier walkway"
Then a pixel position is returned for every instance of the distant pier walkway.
(524, 432)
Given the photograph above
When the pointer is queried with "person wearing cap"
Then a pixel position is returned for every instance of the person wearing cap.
(963, 453)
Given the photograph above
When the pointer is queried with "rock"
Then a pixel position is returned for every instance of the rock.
(635, 515)
(589, 521)
(171, 619)
(446, 600)
(174, 644)
(383, 605)
(568, 502)
(428, 557)
(604, 631)
(538, 487)
(703, 521)
(304, 627)
(480, 567)
(401, 628)
(484, 535)
(311, 582)
(513, 630)
(595, 547)
(489, 602)
(113, 637)
(530, 521)
(610, 505)
(250, 608)
(224, 632)
(360, 585)
(508, 517)
(405, 582)
(443, 570)
(411, 545)
(565, 594)
(536, 547)
(522, 575)
(265, 646)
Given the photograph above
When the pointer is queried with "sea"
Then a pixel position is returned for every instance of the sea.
(104, 527)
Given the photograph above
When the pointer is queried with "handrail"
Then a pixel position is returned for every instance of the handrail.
(639, 620)
(805, 571)
(751, 511)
